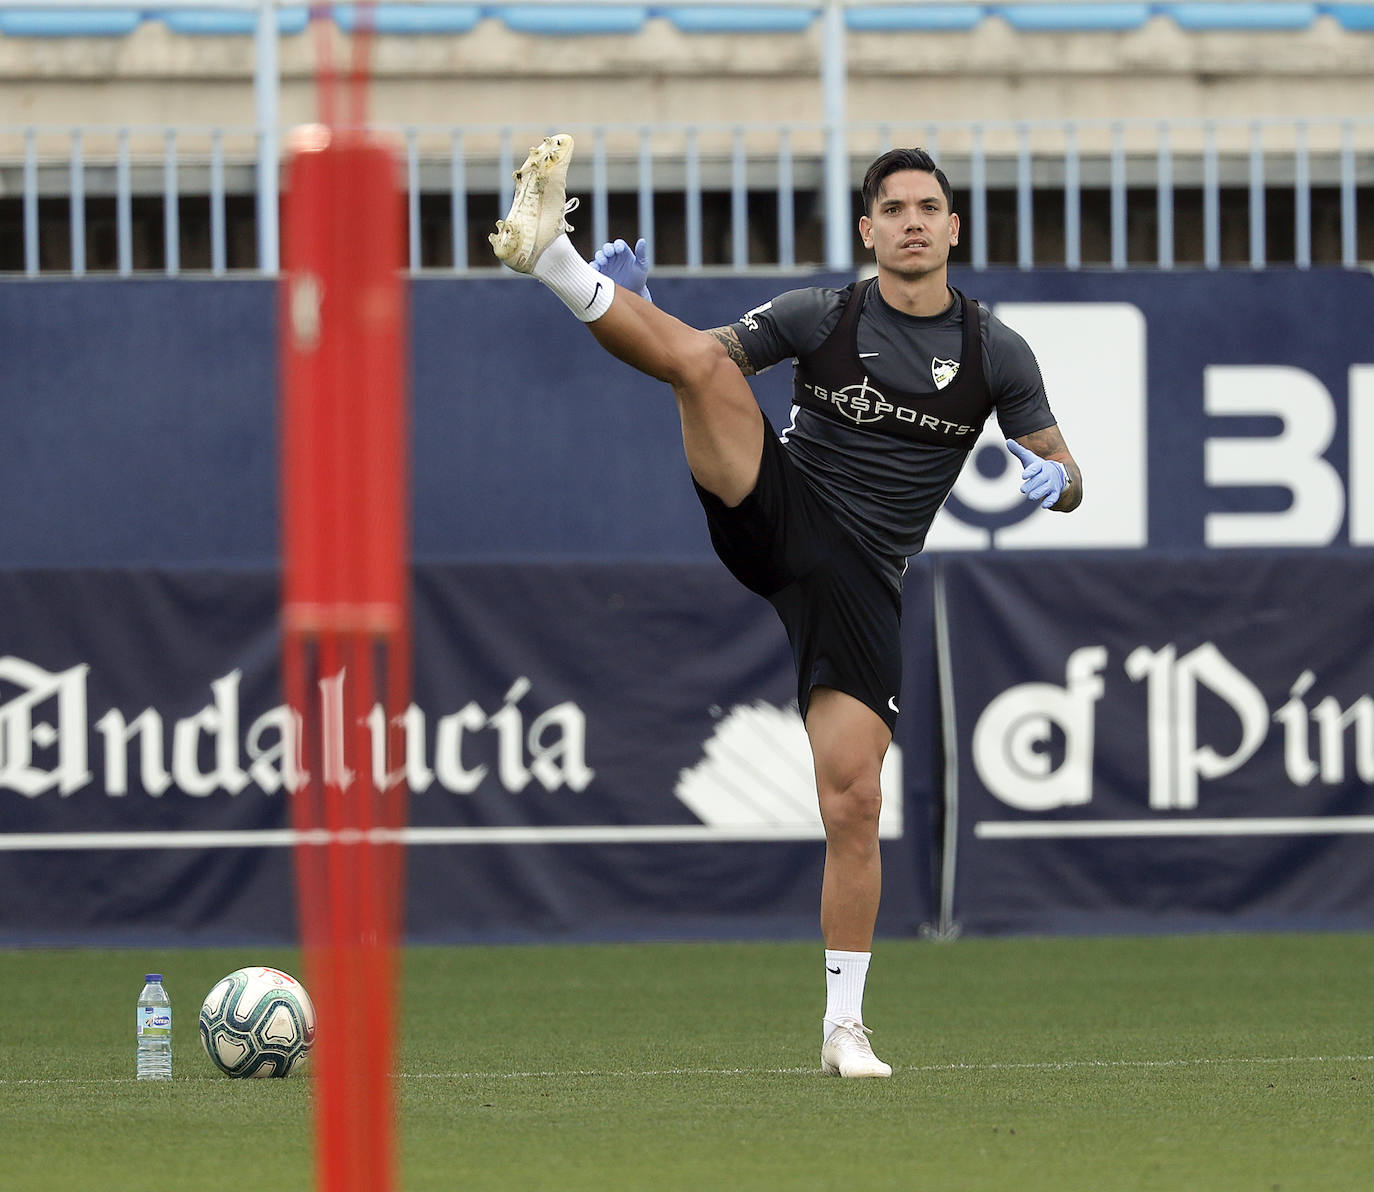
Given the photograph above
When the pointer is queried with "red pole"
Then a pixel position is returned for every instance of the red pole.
(346, 620)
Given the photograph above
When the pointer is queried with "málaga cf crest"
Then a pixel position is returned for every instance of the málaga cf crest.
(944, 371)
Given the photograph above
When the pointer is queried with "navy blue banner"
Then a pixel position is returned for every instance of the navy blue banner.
(593, 751)
(602, 751)
(1212, 409)
(1163, 744)
(1221, 409)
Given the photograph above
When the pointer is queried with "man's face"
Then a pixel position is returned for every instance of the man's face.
(910, 227)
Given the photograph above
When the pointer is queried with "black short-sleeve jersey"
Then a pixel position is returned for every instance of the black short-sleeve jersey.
(884, 489)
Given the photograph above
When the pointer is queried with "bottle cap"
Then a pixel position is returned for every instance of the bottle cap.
(153, 977)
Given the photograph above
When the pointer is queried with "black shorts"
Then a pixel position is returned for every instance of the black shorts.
(842, 617)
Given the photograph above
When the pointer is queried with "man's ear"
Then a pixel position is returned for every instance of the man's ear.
(866, 231)
(954, 228)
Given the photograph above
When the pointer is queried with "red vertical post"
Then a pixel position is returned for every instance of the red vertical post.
(345, 620)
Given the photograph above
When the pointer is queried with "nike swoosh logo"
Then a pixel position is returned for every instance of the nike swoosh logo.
(867, 355)
(892, 703)
(592, 299)
(828, 969)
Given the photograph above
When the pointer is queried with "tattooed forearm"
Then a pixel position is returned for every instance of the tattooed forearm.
(729, 340)
(1049, 444)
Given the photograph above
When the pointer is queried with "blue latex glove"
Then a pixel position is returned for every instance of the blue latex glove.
(1041, 479)
(627, 268)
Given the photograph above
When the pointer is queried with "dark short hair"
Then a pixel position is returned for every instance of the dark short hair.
(902, 159)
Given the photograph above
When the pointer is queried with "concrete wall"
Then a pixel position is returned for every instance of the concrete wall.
(495, 75)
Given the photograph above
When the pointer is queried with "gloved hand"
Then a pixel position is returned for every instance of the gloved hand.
(628, 269)
(1042, 479)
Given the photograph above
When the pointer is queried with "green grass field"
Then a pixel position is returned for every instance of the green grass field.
(1202, 1063)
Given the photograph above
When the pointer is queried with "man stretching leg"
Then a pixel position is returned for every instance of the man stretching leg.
(821, 521)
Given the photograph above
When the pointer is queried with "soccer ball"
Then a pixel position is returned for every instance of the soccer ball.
(257, 1022)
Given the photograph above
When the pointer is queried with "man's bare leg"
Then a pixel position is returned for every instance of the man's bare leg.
(722, 428)
(848, 741)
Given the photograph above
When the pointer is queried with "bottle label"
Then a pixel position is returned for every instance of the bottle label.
(154, 1021)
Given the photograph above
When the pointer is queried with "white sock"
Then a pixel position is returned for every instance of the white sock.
(583, 290)
(845, 974)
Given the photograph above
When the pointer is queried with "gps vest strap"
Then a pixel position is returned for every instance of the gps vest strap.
(833, 382)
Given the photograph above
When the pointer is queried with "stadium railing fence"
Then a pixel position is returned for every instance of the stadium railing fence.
(1164, 194)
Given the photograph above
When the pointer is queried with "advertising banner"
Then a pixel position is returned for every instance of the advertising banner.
(593, 751)
(1209, 410)
(1161, 744)
(1213, 410)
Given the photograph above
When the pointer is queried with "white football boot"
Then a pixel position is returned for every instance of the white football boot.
(535, 219)
(846, 1052)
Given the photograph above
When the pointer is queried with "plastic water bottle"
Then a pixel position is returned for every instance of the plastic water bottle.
(154, 1030)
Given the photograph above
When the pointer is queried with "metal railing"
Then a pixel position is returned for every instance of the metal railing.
(1032, 183)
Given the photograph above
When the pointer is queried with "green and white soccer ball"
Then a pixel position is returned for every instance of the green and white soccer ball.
(257, 1022)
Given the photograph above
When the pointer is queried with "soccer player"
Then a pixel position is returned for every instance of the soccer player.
(894, 379)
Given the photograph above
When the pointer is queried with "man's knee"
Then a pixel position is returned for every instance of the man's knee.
(851, 806)
(848, 742)
(698, 364)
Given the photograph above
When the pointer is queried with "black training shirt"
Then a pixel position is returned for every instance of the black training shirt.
(884, 489)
